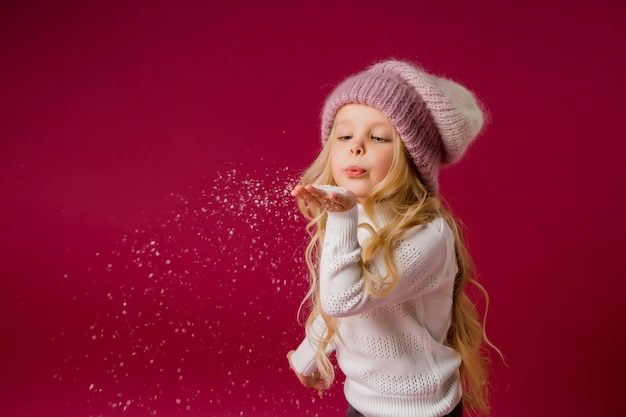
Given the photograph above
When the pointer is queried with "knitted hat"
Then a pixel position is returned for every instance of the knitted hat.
(436, 118)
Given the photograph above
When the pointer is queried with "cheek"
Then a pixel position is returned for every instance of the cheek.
(385, 163)
(335, 166)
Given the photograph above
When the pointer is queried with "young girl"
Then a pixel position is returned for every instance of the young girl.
(387, 261)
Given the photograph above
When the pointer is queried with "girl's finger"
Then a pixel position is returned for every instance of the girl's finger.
(297, 190)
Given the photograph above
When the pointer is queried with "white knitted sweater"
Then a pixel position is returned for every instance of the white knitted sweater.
(391, 348)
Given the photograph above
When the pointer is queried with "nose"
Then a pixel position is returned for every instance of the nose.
(357, 148)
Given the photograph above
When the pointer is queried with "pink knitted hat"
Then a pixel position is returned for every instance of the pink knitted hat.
(436, 118)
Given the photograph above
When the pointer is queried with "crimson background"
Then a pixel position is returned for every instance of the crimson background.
(108, 109)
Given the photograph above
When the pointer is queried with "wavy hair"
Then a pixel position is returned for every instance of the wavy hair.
(404, 194)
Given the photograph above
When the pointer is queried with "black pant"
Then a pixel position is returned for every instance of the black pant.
(457, 412)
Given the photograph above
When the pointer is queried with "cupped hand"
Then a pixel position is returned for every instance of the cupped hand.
(326, 200)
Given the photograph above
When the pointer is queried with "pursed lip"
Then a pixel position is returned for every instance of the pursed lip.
(354, 171)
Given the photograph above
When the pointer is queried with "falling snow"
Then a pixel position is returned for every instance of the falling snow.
(199, 304)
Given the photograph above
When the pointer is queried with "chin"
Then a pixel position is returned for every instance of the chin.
(357, 191)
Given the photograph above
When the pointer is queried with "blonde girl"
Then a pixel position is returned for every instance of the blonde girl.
(388, 264)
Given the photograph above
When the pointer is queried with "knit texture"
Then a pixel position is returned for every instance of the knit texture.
(392, 348)
(436, 118)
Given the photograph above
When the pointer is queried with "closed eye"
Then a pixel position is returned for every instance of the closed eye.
(379, 139)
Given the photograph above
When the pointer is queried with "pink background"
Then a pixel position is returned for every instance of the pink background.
(150, 259)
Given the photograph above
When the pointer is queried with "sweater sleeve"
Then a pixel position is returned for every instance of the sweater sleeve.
(303, 358)
(420, 257)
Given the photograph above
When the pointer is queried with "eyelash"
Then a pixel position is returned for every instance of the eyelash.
(375, 138)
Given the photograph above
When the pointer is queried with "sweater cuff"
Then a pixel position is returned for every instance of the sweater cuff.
(303, 358)
(341, 227)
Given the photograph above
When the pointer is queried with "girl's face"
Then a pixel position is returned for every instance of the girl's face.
(362, 148)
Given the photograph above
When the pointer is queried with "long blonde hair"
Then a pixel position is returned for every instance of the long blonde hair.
(404, 194)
